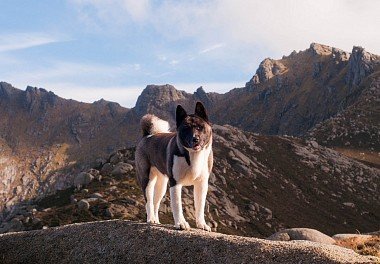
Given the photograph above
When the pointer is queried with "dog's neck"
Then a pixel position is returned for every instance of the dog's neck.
(182, 151)
(191, 155)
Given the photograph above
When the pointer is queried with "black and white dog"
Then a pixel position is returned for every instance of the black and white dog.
(183, 158)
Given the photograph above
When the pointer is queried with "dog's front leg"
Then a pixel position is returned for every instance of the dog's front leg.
(200, 192)
(176, 204)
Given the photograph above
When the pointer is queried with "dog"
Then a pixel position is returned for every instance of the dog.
(182, 158)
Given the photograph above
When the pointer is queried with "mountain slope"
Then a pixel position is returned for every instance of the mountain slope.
(259, 185)
(47, 138)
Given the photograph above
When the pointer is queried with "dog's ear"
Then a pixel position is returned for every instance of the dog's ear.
(180, 115)
(201, 111)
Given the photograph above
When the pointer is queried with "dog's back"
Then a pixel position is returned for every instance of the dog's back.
(151, 150)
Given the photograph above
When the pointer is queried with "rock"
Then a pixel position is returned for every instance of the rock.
(280, 236)
(242, 169)
(314, 144)
(116, 158)
(96, 174)
(106, 169)
(360, 65)
(268, 68)
(83, 205)
(83, 179)
(96, 195)
(73, 200)
(36, 221)
(303, 234)
(109, 213)
(325, 169)
(122, 169)
(348, 204)
(105, 242)
(245, 160)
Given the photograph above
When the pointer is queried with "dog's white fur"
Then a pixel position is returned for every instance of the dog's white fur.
(197, 174)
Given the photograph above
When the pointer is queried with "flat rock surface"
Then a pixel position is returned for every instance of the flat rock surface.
(120, 241)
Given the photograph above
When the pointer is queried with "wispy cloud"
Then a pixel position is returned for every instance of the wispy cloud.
(74, 70)
(174, 62)
(234, 23)
(17, 41)
(213, 47)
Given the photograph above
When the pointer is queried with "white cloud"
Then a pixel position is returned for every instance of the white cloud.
(279, 26)
(174, 62)
(81, 72)
(162, 58)
(213, 47)
(96, 13)
(16, 41)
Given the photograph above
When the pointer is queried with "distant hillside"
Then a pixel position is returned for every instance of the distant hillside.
(44, 139)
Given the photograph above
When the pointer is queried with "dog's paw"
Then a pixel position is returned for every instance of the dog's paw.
(204, 226)
(153, 221)
(182, 225)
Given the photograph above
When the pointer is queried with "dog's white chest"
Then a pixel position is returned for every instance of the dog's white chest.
(185, 174)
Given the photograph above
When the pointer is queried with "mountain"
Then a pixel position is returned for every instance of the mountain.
(44, 139)
(287, 96)
(262, 182)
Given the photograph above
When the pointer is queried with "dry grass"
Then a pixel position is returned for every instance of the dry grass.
(363, 246)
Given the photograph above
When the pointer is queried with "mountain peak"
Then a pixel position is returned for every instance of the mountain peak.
(320, 49)
(6, 90)
(157, 96)
(361, 64)
(268, 68)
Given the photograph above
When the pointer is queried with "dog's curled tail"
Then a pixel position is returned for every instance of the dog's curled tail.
(151, 124)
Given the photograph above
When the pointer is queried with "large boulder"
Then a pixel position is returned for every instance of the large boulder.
(83, 179)
(302, 234)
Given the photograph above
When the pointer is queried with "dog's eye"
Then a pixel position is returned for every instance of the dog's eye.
(199, 128)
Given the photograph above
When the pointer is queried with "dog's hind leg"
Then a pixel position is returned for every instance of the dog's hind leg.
(159, 192)
(149, 194)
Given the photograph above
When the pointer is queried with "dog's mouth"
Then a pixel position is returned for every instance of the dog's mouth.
(197, 147)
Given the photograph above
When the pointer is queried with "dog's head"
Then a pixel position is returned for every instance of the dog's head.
(194, 130)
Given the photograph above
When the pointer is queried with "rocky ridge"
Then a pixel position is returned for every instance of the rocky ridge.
(123, 241)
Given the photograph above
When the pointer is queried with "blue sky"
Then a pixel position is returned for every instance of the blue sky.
(92, 49)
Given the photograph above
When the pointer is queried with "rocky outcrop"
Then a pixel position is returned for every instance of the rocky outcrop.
(302, 234)
(129, 242)
(157, 97)
(268, 69)
(361, 64)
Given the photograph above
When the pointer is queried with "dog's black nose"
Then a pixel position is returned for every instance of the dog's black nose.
(195, 140)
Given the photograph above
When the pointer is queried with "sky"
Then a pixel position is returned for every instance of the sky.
(91, 49)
